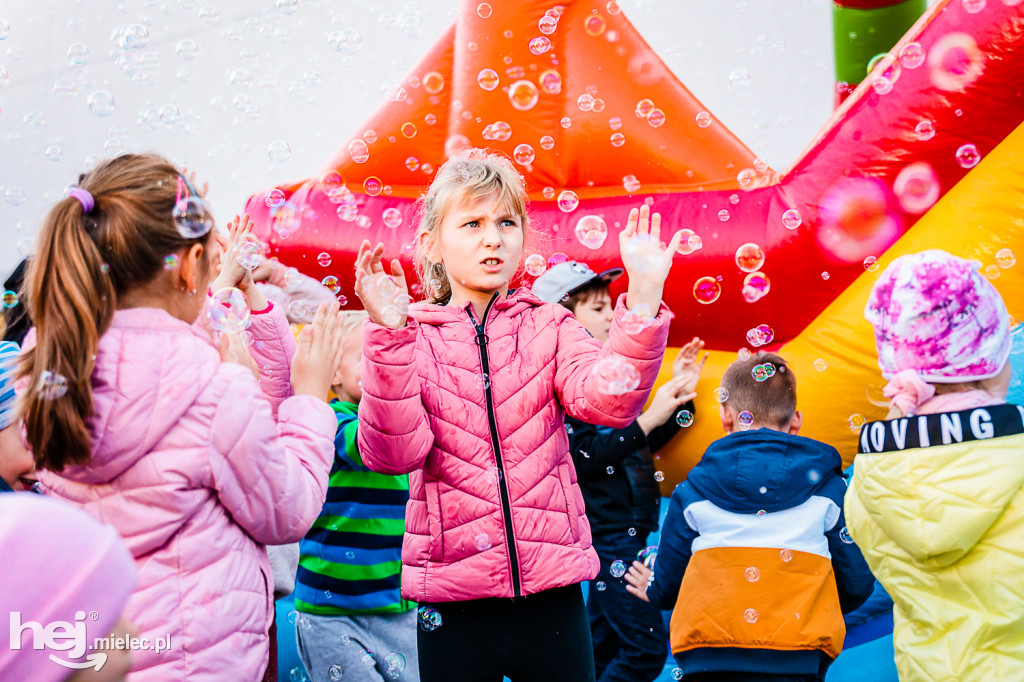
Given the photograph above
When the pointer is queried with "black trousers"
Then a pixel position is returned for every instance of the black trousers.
(544, 636)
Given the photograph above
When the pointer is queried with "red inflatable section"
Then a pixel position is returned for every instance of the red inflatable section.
(574, 89)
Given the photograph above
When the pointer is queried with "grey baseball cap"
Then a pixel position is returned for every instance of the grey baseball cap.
(564, 278)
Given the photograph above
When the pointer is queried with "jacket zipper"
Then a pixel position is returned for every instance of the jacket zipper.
(506, 505)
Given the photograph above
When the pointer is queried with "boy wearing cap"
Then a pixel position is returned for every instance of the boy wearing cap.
(937, 495)
(617, 477)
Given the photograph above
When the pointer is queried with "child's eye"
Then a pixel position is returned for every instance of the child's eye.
(508, 223)
(472, 223)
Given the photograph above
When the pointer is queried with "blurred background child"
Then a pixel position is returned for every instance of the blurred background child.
(17, 470)
(353, 617)
(61, 565)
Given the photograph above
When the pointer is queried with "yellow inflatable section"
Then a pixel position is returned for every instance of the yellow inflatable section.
(982, 214)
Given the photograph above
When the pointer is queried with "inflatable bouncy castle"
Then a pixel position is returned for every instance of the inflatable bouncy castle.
(923, 153)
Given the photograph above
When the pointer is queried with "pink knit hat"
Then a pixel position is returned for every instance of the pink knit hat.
(937, 320)
(61, 565)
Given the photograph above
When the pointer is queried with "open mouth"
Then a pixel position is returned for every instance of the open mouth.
(492, 264)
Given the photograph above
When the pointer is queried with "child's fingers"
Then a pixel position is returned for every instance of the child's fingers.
(644, 222)
(677, 239)
(399, 275)
(376, 267)
(631, 221)
(655, 226)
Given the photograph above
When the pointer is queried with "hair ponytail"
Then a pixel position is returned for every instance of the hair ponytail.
(83, 261)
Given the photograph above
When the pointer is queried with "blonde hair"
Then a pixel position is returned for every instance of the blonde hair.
(469, 177)
(352, 322)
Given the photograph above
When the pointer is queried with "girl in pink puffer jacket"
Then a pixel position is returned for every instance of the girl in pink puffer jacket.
(467, 393)
(134, 416)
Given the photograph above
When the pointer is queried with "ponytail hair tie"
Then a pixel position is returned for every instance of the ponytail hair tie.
(84, 198)
(907, 391)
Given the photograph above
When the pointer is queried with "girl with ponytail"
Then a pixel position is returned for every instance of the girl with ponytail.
(133, 414)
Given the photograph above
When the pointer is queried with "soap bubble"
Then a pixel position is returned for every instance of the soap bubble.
(707, 290)
(785, 555)
(859, 216)
(791, 219)
(52, 385)
(755, 286)
(547, 142)
(394, 665)
(585, 102)
(591, 231)
(228, 311)
(524, 154)
(656, 119)
(721, 394)
(871, 264)
(336, 672)
(540, 45)
(925, 130)
(279, 151)
(78, 54)
(324, 259)
(739, 79)
(101, 103)
(409, 130)
(484, 10)
(594, 25)
(745, 419)
(618, 568)
(760, 335)
(274, 198)
(487, 79)
(967, 156)
(429, 619)
(536, 265)
(331, 283)
(1005, 258)
(618, 139)
(685, 248)
(359, 151)
(548, 23)
(820, 364)
(550, 82)
(912, 55)
(844, 535)
(954, 61)
(749, 257)
(684, 418)
(482, 542)
(703, 119)
(191, 217)
(750, 615)
(616, 376)
(433, 83)
(752, 574)
(523, 95)
(855, 421)
(642, 253)
(10, 299)
(631, 184)
(916, 187)
(568, 201)
(347, 41)
(601, 586)
(249, 253)
(644, 108)
(648, 556)
(677, 673)
(392, 217)
(884, 74)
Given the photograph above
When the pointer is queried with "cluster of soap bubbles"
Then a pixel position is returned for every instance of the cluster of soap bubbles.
(52, 385)
(429, 619)
(689, 242)
(763, 372)
(615, 376)
(648, 555)
(654, 116)
(760, 335)
(755, 286)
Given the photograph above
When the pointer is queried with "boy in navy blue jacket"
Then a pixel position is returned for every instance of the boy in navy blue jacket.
(754, 555)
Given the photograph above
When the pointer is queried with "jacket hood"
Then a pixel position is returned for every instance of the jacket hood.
(938, 502)
(148, 374)
(748, 471)
(515, 302)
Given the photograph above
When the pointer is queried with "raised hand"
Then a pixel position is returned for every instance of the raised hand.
(689, 364)
(637, 580)
(667, 400)
(645, 261)
(384, 297)
(232, 274)
(318, 352)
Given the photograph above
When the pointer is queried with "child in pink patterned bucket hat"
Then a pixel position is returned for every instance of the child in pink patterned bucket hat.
(942, 334)
(936, 502)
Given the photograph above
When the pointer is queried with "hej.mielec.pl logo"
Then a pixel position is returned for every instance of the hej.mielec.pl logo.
(72, 638)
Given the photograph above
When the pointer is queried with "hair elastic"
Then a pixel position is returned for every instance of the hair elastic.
(84, 198)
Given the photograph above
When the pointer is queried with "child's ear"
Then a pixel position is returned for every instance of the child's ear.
(728, 422)
(795, 423)
(428, 245)
(336, 379)
(189, 266)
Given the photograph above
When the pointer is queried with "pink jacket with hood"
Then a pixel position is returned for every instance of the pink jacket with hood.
(474, 412)
(190, 466)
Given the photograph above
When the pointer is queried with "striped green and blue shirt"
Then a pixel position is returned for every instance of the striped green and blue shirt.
(351, 559)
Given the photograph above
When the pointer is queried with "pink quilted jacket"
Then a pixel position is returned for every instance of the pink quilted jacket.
(494, 509)
(191, 468)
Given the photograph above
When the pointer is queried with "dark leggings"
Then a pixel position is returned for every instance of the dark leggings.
(545, 636)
